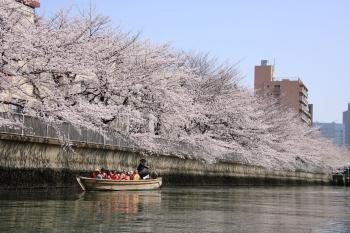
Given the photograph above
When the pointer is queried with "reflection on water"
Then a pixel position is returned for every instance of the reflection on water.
(179, 209)
(121, 202)
(67, 211)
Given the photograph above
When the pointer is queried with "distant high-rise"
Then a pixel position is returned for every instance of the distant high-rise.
(346, 122)
(333, 131)
(292, 93)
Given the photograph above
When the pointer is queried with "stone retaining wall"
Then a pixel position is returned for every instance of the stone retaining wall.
(38, 162)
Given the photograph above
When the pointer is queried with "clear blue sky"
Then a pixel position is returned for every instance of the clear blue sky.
(309, 39)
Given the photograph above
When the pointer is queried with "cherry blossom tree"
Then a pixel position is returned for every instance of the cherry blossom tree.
(82, 70)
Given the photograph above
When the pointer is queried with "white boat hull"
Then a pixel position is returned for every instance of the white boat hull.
(91, 184)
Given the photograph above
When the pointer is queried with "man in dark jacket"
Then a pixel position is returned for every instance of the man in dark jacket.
(142, 168)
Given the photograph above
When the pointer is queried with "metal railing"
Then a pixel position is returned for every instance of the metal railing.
(36, 127)
(33, 126)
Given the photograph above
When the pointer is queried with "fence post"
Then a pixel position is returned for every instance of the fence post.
(104, 139)
(47, 130)
(22, 130)
(68, 134)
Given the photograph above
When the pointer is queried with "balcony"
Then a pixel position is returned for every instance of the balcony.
(305, 110)
(304, 91)
(306, 119)
(303, 100)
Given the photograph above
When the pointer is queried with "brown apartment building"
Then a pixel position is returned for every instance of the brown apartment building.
(291, 93)
(31, 3)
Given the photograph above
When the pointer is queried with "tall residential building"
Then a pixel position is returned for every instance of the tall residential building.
(346, 122)
(333, 131)
(30, 3)
(291, 93)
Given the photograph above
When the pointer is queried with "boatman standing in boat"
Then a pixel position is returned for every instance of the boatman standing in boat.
(142, 169)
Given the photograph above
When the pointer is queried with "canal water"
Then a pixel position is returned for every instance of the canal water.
(179, 209)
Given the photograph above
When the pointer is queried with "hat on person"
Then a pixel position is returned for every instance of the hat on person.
(97, 169)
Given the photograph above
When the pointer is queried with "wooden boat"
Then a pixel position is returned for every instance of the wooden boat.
(92, 184)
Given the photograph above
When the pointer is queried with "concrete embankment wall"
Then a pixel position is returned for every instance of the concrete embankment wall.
(38, 162)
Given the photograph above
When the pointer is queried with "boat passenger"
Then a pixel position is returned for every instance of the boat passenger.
(94, 173)
(109, 175)
(104, 175)
(136, 175)
(118, 176)
(99, 176)
(122, 175)
(114, 175)
(142, 168)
